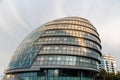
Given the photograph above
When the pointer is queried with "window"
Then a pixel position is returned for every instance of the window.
(56, 47)
(59, 58)
(42, 58)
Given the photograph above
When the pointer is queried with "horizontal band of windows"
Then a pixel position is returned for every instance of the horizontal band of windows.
(63, 27)
(70, 26)
(76, 46)
(71, 50)
(78, 21)
(80, 65)
(74, 18)
(72, 22)
(71, 45)
(96, 37)
(67, 41)
(98, 43)
(80, 31)
(94, 58)
(70, 32)
(64, 60)
(91, 57)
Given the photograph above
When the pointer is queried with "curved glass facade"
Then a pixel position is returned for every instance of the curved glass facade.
(61, 61)
(62, 49)
(55, 74)
(26, 52)
(69, 50)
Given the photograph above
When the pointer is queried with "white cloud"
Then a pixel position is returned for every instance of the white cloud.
(59, 8)
(3, 61)
(11, 17)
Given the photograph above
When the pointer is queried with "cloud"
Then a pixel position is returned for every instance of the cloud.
(59, 8)
(3, 24)
(10, 15)
(3, 61)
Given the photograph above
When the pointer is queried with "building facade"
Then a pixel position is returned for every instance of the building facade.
(108, 63)
(64, 49)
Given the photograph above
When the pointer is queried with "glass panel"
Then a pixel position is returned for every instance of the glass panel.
(26, 52)
(66, 49)
(59, 60)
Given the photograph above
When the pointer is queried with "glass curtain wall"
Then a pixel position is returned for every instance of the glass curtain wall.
(56, 74)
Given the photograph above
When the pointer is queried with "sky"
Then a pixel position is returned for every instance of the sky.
(19, 17)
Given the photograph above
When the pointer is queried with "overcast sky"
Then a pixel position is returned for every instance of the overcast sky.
(19, 17)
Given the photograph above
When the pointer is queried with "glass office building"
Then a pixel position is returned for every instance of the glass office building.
(63, 49)
(108, 63)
